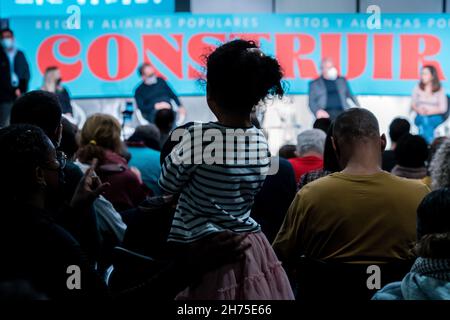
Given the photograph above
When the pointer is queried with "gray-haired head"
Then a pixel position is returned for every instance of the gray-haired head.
(440, 167)
(311, 141)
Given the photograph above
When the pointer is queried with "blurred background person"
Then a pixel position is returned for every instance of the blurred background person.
(144, 148)
(330, 93)
(429, 102)
(53, 83)
(164, 121)
(154, 94)
(330, 163)
(323, 124)
(14, 74)
(310, 145)
(429, 278)
(440, 167)
(288, 151)
(397, 129)
(411, 154)
(100, 139)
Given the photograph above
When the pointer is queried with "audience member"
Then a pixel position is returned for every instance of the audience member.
(43, 110)
(330, 163)
(149, 135)
(69, 143)
(274, 199)
(288, 151)
(429, 278)
(100, 139)
(434, 147)
(111, 228)
(310, 146)
(164, 120)
(215, 196)
(361, 214)
(322, 124)
(411, 154)
(397, 129)
(144, 148)
(34, 248)
(440, 167)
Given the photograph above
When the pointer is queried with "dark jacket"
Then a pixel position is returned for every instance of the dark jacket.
(22, 70)
(37, 250)
(318, 94)
(148, 95)
(274, 199)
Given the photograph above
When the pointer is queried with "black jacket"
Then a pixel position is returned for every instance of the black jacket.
(37, 250)
(22, 70)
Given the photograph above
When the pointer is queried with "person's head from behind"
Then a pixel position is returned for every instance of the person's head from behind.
(146, 71)
(411, 151)
(440, 166)
(328, 69)
(323, 124)
(42, 109)
(397, 129)
(356, 134)
(100, 132)
(164, 120)
(238, 77)
(149, 135)
(7, 39)
(311, 143)
(69, 142)
(429, 77)
(30, 165)
(433, 225)
(288, 151)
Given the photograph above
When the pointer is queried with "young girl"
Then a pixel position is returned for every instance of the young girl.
(219, 167)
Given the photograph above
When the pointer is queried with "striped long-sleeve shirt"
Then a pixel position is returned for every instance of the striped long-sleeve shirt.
(217, 171)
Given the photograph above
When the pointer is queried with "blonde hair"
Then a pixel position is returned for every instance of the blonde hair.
(100, 132)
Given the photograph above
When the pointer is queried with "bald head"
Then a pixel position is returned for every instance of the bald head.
(357, 141)
(355, 125)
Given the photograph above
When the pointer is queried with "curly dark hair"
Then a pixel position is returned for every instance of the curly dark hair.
(412, 151)
(239, 75)
(24, 147)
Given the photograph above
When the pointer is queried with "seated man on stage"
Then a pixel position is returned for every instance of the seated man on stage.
(329, 94)
(154, 94)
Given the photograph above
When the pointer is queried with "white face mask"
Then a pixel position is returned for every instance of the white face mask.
(332, 74)
(8, 43)
(150, 80)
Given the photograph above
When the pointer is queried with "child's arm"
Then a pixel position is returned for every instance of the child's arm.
(178, 166)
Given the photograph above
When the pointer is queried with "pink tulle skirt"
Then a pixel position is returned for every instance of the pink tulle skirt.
(259, 276)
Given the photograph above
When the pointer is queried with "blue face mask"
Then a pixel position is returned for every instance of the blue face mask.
(7, 43)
